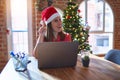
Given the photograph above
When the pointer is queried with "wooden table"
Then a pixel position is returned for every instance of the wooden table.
(99, 69)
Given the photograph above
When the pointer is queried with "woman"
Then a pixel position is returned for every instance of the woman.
(51, 28)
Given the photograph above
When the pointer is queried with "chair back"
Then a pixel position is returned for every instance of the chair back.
(113, 55)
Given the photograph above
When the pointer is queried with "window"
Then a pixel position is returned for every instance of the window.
(19, 17)
(99, 16)
(19, 25)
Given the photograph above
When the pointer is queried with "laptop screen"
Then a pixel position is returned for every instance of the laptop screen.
(57, 54)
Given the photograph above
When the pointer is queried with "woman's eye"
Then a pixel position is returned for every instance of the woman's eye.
(59, 19)
(56, 20)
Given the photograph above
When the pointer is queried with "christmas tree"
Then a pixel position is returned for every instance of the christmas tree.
(72, 23)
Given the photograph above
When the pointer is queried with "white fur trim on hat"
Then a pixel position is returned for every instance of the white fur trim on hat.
(52, 17)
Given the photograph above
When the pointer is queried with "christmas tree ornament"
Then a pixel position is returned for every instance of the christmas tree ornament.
(78, 10)
(81, 33)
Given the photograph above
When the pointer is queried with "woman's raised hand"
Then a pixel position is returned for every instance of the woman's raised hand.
(42, 30)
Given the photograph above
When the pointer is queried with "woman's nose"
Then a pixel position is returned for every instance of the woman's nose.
(60, 22)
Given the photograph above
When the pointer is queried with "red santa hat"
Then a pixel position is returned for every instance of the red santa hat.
(49, 14)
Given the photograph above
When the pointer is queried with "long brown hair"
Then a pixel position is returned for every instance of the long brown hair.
(50, 36)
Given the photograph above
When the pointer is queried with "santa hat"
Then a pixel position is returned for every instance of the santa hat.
(49, 14)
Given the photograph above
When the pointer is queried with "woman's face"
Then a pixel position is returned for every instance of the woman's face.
(57, 24)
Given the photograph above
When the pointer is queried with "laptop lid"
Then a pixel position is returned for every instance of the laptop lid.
(57, 54)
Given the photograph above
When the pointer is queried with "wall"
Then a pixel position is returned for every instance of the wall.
(3, 36)
(115, 5)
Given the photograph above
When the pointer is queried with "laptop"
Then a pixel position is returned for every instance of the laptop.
(57, 54)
